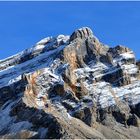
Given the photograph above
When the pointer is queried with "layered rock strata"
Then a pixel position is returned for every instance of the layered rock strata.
(70, 87)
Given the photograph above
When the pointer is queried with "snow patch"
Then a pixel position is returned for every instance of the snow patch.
(44, 41)
(127, 55)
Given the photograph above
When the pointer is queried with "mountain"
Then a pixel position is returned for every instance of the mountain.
(70, 87)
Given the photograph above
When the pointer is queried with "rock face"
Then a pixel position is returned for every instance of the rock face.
(82, 33)
(70, 87)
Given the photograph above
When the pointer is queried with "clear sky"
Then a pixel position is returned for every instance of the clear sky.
(22, 24)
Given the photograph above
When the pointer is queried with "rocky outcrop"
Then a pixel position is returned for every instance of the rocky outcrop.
(70, 87)
(81, 33)
(138, 64)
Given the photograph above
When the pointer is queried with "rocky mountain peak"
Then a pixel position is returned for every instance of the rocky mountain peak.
(70, 87)
(81, 33)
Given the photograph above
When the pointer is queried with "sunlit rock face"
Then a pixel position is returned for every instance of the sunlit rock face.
(70, 87)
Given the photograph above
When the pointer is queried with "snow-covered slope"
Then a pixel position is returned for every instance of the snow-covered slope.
(45, 88)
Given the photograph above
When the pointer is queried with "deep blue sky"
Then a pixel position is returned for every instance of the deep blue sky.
(22, 24)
